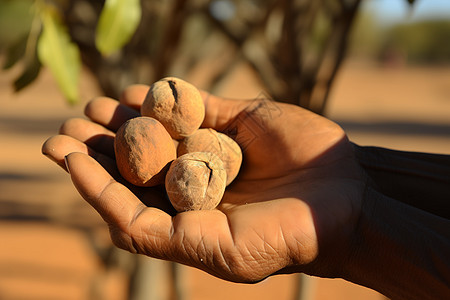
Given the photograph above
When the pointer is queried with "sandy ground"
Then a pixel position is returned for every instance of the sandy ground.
(50, 239)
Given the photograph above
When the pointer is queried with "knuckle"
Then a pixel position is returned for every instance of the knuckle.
(70, 125)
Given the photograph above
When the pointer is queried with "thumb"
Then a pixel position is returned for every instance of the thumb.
(242, 120)
(220, 112)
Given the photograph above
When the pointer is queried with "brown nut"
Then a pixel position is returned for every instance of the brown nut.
(175, 103)
(209, 140)
(196, 181)
(143, 151)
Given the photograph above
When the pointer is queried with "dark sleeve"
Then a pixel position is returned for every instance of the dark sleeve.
(421, 180)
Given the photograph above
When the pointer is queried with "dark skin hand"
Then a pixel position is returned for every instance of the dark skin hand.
(293, 208)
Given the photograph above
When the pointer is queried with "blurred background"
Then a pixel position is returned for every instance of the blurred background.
(379, 68)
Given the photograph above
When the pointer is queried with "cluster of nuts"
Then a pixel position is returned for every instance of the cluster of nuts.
(166, 146)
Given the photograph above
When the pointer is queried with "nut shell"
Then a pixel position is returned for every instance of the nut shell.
(144, 151)
(175, 103)
(209, 140)
(196, 181)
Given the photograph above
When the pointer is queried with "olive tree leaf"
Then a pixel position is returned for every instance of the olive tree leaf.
(15, 52)
(15, 21)
(29, 74)
(23, 48)
(118, 21)
(59, 54)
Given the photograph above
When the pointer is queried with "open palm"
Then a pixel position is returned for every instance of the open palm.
(292, 208)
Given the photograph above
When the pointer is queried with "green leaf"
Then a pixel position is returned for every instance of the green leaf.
(15, 20)
(118, 21)
(15, 52)
(30, 73)
(59, 54)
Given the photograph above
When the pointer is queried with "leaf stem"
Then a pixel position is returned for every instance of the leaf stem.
(35, 30)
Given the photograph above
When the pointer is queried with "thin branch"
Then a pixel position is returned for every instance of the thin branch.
(259, 60)
(289, 53)
(171, 38)
(346, 20)
(235, 39)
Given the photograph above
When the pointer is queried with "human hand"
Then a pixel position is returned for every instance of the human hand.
(293, 207)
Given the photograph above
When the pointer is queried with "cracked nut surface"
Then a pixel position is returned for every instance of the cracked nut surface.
(196, 181)
(209, 140)
(175, 103)
(143, 150)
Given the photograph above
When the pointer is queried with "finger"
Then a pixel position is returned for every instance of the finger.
(220, 112)
(241, 120)
(134, 95)
(118, 206)
(109, 112)
(57, 147)
(90, 133)
(92, 180)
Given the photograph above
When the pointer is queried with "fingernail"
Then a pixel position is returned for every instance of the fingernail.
(67, 164)
(46, 154)
(46, 150)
